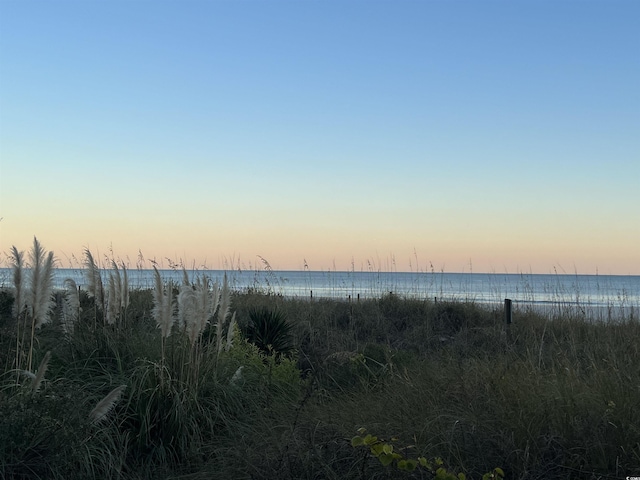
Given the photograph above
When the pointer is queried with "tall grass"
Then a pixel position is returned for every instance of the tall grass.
(162, 383)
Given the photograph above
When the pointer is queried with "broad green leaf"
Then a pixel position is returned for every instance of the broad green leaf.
(386, 448)
(442, 474)
(411, 465)
(402, 465)
(385, 459)
(361, 430)
(357, 441)
(499, 471)
(462, 476)
(377, 449)
(370, 439)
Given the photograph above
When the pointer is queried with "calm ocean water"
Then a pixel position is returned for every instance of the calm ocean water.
(606, 295)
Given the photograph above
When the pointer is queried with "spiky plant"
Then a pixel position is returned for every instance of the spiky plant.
(270, 331)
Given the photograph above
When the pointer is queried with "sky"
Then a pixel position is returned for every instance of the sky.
(484, 136)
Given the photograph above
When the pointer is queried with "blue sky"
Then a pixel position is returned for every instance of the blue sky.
(501, 134)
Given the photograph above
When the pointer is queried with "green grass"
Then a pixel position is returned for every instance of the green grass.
(556, 398)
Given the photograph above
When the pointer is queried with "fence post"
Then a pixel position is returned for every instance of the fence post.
(507, 318)
(507, 311)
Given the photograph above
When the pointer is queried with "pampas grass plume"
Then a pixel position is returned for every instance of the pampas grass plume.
(187, 312)
(18, 280)
(163, 305)
(114, 301)
(40, 295)
(225, 305)
(42, 368)
(105, 405)
(70, 305)
(231, 330)
(124, 296)
(94, 280)
(237, 376)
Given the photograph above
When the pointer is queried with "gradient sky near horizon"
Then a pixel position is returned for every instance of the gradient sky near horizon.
(465, 135)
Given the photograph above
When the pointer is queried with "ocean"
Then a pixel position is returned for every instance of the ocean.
(601, 296)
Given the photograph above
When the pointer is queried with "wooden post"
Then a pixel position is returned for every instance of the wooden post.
(311, 294)
(507, 319)
(358, 298)
(507, 311)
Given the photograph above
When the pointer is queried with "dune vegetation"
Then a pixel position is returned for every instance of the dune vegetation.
(196, 381)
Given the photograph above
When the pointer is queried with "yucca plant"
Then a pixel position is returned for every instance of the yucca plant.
(270, 331)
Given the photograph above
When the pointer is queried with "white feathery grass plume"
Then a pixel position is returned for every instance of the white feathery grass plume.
(47, 303)
(203, 303)
(17, 261)
(105, 405)
(187, 312)
(39, 297)
(39, 376)
(28, 374)
(163, 305)
(124, 295)
(118, 285)
(94, 280)
(223, 312)
(205, 299)
(215, 298)
(158, 296)
(168, 317)
(231, 330)
(225, 300)
(112, 303)
(237, 376)
(195, 307)
(70, 306)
